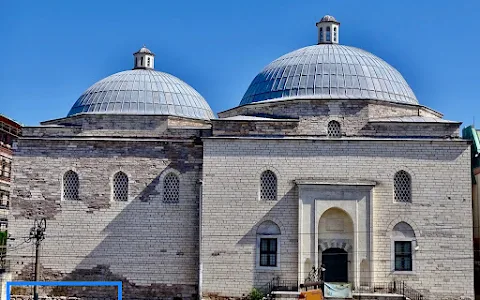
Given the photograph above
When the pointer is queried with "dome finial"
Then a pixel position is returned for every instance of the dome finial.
(144, 58)
(328, 30)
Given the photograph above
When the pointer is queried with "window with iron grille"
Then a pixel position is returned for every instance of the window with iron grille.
(268, 186)
(403, 256)
(402, 185)
(333, 129)
(171, 188)
(70, 186)
(268, 252)
(120, 187)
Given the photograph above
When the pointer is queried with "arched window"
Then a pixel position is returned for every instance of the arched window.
(333, 129)
(321, 34)
(268, 234)
(403, 240)
(141, 61)
(171, 188)
(120, 187)
(268, 186)
(334, 34)
(402, 186)
(70, 186)
(328, 34)
(148, 61)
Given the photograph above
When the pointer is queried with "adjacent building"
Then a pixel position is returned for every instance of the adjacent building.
(329, 159)
(473, 135)
(9, 132)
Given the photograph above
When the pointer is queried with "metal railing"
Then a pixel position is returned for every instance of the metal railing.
(392, 287)
(278, 284)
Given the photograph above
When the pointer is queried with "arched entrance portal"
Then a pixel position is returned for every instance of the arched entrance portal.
(335, 261)
(336, 245)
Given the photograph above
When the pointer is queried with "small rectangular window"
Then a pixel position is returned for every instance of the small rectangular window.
(268, 252)
(403, 256)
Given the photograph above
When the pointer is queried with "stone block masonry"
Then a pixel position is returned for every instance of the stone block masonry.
(439, 213)
(150, 245)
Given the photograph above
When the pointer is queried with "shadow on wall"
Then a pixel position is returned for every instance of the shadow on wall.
(284, 212)
(149, 245)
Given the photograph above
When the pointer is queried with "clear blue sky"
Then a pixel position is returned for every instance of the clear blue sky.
(52, 51)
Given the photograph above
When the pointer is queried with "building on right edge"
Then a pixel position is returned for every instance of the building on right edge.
(473, 135)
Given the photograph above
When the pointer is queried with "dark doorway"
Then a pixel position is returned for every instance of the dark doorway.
(335, 261)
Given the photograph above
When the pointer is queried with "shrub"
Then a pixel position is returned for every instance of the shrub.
(255, 294)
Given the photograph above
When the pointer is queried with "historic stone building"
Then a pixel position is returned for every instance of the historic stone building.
(9, 132)
(328, 160)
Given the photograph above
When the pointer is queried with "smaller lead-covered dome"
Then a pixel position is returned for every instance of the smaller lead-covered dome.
(143, 91)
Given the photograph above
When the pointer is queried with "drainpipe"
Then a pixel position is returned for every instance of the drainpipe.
(200, 264)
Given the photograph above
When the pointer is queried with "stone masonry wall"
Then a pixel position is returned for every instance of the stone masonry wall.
(313, 117)
(144, 242)
(120, 126)
(440, 212)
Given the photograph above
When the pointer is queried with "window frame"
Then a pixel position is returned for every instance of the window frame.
(268, 252)
(177, 175)
(410, 199)
(412, 241)
(261, 237)
(63, 186)
(404, 256)
(339, 129)
(113, 187)
(260, 190)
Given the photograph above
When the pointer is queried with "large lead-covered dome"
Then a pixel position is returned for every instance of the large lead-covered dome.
(143, 91)
(329, 71)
